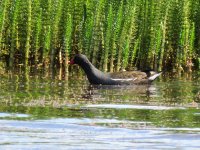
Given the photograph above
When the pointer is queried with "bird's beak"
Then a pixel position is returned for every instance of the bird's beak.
(71, 62)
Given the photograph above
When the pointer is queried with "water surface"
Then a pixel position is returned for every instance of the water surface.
(42, 113)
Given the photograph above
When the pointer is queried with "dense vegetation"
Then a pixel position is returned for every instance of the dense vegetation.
(114, 34)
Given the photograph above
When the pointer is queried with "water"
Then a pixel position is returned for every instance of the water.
(42, 113)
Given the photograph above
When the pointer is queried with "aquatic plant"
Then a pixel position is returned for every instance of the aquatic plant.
(113, 34)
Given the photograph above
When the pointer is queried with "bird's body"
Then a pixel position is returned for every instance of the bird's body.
(96, 76)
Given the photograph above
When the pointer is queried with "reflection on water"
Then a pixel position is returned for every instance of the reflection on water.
(71, 114)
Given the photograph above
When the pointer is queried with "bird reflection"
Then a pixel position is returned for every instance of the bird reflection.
(114, 92)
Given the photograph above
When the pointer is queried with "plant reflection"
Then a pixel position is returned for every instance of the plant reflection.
(166, 103)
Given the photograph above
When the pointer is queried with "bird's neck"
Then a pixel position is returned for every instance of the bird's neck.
(94, 75)
(90, 69)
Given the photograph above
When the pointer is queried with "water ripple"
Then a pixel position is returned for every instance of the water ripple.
(75, 134)
(118, 106)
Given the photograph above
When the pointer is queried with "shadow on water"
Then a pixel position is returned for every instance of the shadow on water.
(51, 113)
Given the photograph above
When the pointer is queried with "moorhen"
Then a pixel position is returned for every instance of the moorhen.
(97, 77)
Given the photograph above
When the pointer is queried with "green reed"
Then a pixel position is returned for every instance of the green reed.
(67, 40)
(113, 34)
(116, 30)
(97, 35)
(28, 33)
(37, 31)
(14, 33)
(3, 21)
(107, 38)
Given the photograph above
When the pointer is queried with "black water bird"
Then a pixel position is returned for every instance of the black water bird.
(98, 77)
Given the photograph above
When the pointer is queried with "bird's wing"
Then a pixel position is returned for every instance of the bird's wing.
(128, 75)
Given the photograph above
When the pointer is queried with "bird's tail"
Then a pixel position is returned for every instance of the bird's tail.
(152, 78)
